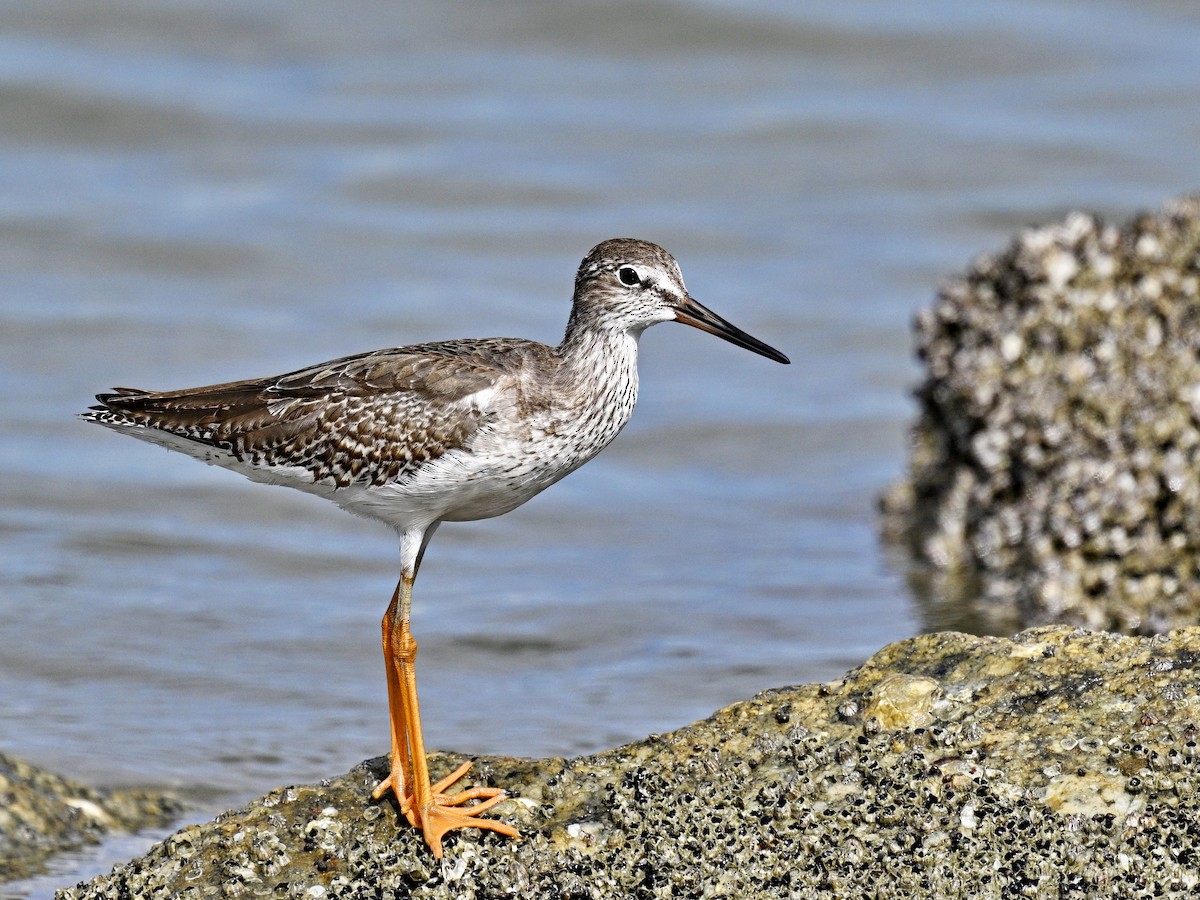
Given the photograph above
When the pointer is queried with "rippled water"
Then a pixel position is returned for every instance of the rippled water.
(199, 191)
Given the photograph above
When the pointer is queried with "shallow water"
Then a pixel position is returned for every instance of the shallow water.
(203, 191)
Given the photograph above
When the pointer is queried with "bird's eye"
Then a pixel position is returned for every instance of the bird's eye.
(628, 276)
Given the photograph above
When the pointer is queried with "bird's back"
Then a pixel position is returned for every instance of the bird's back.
(371, 418)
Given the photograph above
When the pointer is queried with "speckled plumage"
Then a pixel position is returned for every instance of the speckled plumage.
(451, 430)
(447, 431)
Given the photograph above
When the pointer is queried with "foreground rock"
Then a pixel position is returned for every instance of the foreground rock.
(1060, 763)
(42, 814)
(1055, 467)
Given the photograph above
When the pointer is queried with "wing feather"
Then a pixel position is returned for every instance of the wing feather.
(374, 418)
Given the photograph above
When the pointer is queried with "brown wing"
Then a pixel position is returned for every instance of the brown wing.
(372, 418)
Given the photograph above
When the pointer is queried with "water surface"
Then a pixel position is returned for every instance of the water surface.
(200, 191)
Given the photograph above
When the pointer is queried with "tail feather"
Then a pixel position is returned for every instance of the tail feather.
(193, 413)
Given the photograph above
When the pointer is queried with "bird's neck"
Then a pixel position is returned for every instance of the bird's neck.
(599, 368)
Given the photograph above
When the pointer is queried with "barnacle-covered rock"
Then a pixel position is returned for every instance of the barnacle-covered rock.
(42, 814)
(1055, 467)
(1060, 763)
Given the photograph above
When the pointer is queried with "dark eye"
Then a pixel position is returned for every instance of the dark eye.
(628, 276)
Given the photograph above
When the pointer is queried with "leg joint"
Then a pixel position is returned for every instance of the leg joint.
(405, 648)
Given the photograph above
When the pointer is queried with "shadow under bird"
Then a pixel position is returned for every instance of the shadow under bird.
(449, 431)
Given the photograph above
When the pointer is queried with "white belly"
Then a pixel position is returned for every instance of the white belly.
(467, 485)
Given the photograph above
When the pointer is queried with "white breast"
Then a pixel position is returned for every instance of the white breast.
(522, 450)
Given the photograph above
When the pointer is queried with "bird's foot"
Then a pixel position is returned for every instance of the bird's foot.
(444, 812)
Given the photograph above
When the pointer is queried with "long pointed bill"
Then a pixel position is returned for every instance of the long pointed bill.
(690, 312)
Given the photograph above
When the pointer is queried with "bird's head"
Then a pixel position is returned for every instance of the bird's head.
(629, 285)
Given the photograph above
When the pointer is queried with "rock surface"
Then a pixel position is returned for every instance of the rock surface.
(42, 814)
(1060, 763)
(1055, 466)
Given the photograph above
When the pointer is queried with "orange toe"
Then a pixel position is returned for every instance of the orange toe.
(438, 819)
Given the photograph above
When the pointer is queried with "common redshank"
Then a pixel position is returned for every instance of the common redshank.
(442, 432)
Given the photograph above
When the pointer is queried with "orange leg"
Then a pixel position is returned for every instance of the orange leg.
(401, 774)
(424, 804)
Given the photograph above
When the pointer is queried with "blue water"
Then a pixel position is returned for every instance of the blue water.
(200, 191)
